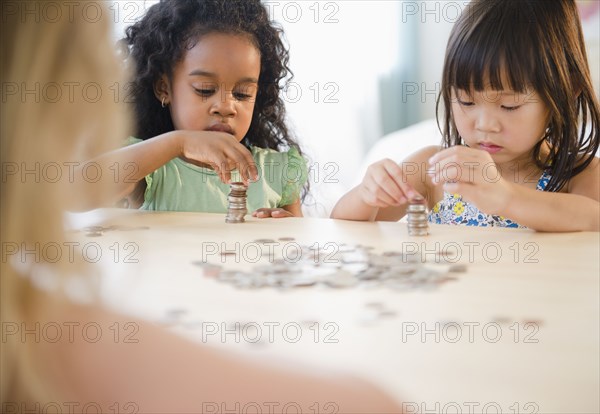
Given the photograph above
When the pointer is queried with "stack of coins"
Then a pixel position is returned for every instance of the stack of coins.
(237, 203)
(417, 217)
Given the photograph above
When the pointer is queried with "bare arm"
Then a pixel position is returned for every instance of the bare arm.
(544, 211)
(579, 209)
(295, 208)
(122, 169)
(291, 210)
(160, 372)
(352, 207)
(386, 189)
(576, 209)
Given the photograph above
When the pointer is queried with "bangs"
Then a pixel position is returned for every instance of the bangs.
(495, 52)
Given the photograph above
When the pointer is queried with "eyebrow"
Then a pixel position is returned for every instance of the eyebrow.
(199, 72)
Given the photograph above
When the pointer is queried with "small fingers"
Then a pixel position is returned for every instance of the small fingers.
(244, 163)
(230, 155)
(381, 185)
(377, 196)
(407, 191)
(450, 172)
(387, 186)
(261, 213)
(271, 212)
(281, 213)
(226, 167)
(459, 164)
(226, 176)
(222, 171)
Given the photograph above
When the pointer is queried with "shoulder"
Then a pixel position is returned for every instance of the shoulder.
(267, 155)
(419, 160)
(423, 155)
(258, 152)
(587, 182)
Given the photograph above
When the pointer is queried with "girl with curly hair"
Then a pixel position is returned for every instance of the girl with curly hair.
(206, 98)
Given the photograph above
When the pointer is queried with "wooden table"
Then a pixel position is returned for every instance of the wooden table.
(518, 332)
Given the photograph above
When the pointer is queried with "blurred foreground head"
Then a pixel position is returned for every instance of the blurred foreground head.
(60, 106)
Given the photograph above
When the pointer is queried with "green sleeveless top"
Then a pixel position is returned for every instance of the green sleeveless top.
(181, 186)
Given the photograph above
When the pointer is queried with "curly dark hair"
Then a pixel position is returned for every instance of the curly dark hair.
(160, 39)
(488, 40)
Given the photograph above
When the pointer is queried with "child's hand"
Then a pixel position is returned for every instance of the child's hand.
(384, 185)
(221, 151)
(272, 212)
(473, 174)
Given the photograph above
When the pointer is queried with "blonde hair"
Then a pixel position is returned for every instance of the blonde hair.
(60, 107)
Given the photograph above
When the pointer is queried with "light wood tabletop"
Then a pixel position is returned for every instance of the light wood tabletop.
(512, 326)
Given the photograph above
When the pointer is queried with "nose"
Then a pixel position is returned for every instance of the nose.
(223, 105)
(486, 121)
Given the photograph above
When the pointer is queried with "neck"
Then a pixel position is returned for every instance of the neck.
(522, 170)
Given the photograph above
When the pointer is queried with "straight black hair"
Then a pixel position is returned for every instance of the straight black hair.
(528, 44)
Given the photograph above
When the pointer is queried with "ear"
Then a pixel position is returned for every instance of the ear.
(162, 90)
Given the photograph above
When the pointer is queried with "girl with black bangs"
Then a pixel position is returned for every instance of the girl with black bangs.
(207, 79)
(521, 128)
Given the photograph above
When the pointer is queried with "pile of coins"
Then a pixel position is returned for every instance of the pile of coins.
(417, 217)
(236, 209)
(346, 266)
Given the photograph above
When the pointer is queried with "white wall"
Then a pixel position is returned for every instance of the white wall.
(338, 52)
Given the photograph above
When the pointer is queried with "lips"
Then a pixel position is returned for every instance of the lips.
(489, 147)
(220, 128)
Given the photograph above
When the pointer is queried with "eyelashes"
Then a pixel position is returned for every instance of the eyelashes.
(504, 107)
(207, 93)
(242, 96)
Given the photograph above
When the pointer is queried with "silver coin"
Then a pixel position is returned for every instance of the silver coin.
(264, 241)
(286, 239)
(237, 206)
(458, 268)
(417, 220)
(93, 229)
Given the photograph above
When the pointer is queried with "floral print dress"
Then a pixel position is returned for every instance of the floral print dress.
(452, 209)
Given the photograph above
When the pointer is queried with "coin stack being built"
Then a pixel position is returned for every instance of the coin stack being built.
(237, 203)
(417, 217)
